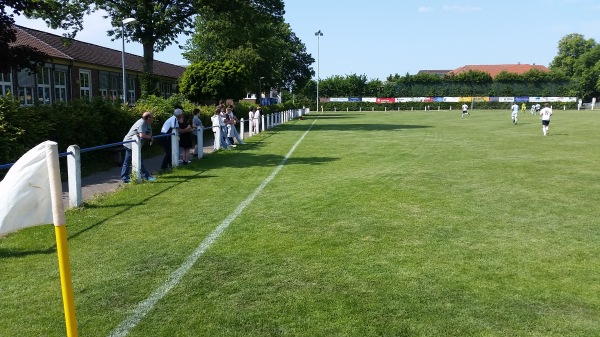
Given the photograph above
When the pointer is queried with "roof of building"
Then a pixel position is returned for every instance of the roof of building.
(496, 69)
(55, 47)
(434, 72)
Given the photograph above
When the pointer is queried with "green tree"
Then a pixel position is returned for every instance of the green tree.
(587, 73)
(570, 49)
(157, 24)
(254, 34)
(214, 80)
(17, 56)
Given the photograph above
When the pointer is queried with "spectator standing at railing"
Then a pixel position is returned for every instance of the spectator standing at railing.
(251, 120)
(256, 123)
(232, 122)
(197, 127)
(167, 128)
(143, 129)
(185, 140)
(217, 125)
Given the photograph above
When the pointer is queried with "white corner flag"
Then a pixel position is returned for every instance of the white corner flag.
(25, 192)
(31, 194)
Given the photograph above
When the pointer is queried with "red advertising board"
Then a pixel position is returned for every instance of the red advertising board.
(385, 100)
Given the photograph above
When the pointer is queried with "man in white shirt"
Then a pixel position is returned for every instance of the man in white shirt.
(515, 113)
(167, 128)
(257, 121)
(465, 110)
(546, 112)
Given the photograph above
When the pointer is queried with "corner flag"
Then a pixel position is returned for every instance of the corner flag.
(30, 195)
(25, 192)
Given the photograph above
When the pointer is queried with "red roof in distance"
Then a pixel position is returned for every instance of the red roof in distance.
(496, 69)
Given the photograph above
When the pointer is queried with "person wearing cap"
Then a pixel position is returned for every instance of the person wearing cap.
(167, 128)
(143, 129)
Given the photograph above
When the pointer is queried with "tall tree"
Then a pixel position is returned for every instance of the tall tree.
(157, 24)
(252, 33)
(14, 56)
(570, 49)
(213, 80)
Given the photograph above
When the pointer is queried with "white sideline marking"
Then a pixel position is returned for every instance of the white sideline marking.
(146, 305)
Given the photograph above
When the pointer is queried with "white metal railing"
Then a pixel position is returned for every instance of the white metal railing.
(73, 153)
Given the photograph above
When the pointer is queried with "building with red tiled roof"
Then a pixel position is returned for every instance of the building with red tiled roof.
(439, 73)
(81, 70)
(495, 69)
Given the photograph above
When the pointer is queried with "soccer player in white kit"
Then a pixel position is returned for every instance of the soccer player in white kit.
(546, 112)
(515, 112)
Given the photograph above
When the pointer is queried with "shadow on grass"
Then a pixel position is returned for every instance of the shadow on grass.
(355, 127)
(12, 253)
(171, 185)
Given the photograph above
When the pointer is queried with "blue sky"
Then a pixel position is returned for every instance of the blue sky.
(378, 38)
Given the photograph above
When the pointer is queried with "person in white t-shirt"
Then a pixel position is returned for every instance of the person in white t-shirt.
(257, 121)
(515, 112)
(465, 110)
(251, 120)
(546, 112)
(218, 124)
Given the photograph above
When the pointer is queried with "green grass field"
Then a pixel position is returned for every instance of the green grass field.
(378, 224)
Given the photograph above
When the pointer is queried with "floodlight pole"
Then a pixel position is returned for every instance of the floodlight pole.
(260, 90)
(123, 23)
(318, 34)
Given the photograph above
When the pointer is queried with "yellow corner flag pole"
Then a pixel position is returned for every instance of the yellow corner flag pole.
(58, 215)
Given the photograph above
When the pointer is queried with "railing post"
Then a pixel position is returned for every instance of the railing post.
(250, 127)
(136, 158)
(242, 129)
(200, 141)
(262, 123)
(217, 143)
(175, 147)
(74, 176)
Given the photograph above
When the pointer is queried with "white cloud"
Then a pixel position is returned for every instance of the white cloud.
(461, 9)
(424, 9)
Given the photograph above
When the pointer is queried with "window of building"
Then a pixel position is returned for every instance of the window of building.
(116, 85)
(131, 90)
(103, 84)
(85, 84)
(5, 83)
(26, 87)
(60, 84)
(166, 89)
(43, 86)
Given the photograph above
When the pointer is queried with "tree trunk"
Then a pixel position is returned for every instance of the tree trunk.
(148, 83)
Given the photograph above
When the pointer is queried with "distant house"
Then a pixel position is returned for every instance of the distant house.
(495, 69)
(81, 70)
